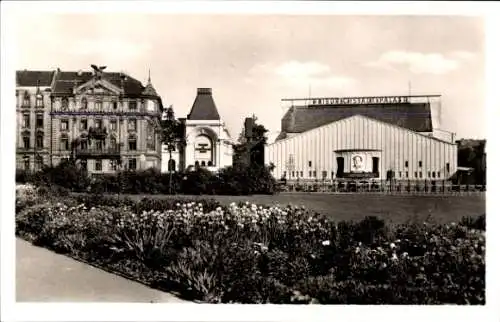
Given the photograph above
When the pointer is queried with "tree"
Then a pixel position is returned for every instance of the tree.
(250, 150)
(171, 134)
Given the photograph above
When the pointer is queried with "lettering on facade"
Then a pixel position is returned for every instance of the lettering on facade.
(360, 100)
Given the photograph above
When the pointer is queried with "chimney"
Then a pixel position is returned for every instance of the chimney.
(248, 127)
(204, 91)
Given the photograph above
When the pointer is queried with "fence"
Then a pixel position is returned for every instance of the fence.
(395, 187)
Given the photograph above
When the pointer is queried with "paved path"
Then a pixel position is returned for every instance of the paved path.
(44, 276)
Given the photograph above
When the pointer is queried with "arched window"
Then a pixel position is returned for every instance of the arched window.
(112, 143)
(64, 143)
(84, 103)
(39, 140)
(203, 163)
(26, 99)
(132, 143)
(38, 162)
(197, 164)
(64, 103)
(171, 165)
(26, 163)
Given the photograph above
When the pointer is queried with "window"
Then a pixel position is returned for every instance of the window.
(115, 105)
(64, 125)
(64, 104)
(420, 174)
(284, 173)
(83, 124)
(314, 174)
(26, 142)
(132, 105)
(428, 174)
(26, 162)
(83, 145)
(407, 174)
(132, 144)
(310, 164)
(132, 125)
(439, 174)
(447, 168)
(114, 165)
(324, 174)
(310, 174)
(400, 174)
(39, 162)
(416, 174)
(64, 143)
(112, 125)
(39, 141)
(132, 164)
(26, 120)
(203, 163)
(83, 164)
(433, 174)
(302, 174)
(406, 164)
(98, 165)
(419, 164)
(98, 105)
(99, 145)
(39, 121)
(98, 123)
(26, 99)
(210, 164)
(112, 143)
(84, 103)
(293, 174)
(39, 100)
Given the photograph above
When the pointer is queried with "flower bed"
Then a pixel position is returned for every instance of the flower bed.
(253, 254)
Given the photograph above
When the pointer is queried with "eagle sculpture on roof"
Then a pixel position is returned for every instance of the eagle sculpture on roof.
(98, 69)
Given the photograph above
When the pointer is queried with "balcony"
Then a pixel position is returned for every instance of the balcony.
(97, 153)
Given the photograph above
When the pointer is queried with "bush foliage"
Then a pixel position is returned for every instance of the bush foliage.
(238, 180)
(252, 254)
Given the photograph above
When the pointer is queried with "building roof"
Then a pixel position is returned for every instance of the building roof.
(414, 116)
(31, 78)
(66, 81)
(204, 106)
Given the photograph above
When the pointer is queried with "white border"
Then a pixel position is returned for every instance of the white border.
(12, 311)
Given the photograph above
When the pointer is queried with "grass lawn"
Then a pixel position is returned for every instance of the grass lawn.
(392, 208)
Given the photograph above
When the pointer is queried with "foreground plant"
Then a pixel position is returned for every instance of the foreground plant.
(252, 254)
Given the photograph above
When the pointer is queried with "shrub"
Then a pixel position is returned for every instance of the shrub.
(253, 254)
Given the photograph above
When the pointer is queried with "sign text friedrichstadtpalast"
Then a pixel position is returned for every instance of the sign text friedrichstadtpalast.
(358, 100)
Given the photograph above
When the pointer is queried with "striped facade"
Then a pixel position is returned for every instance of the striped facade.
(407, 154)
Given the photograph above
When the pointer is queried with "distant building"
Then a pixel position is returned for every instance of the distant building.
(363, 138)
(106, 121)
(208, 142)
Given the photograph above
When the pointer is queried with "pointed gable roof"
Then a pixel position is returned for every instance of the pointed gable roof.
(204, 106)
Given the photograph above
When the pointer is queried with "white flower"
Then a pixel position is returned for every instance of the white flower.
(326, 243)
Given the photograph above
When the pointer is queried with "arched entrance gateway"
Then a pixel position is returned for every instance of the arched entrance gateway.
(208, 143)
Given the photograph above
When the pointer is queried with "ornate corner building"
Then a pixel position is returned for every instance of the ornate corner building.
(106, 121)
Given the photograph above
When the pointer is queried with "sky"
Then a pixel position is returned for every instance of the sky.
(251, 62)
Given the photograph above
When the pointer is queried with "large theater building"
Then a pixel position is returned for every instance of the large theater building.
(363, 138)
